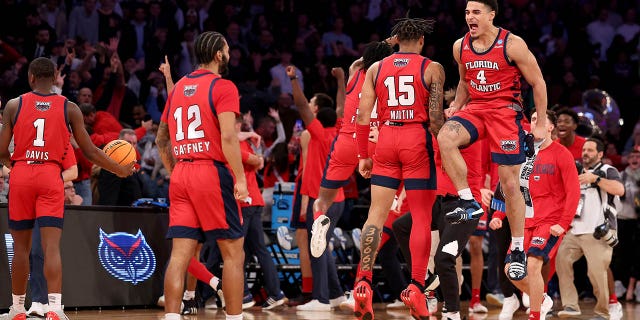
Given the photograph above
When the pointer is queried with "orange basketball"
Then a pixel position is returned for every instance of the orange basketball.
(120, 151)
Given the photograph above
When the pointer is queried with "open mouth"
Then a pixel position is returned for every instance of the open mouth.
(562, 132)
(473, 26)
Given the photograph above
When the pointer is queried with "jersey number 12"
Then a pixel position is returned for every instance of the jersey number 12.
(193, 115)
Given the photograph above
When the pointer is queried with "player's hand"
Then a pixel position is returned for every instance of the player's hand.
(392, 41)
(127, 170)
(486, 196)
(337, 73)
(274, 114)
(165, 68)
(252, 136)
(291, 71)
(556, 230)
(147, 125)
(364, 167)
(449, 112)
(540, 130)
(373, 134)
(240, 191)
(495, 224)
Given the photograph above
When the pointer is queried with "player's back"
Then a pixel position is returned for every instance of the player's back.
(191, 114)
(490, 75)
(400, 88)
(352, 101)
(40, 128)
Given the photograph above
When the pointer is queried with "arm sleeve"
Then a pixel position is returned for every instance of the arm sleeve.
(280, 138)
(225, 98)
(571, 187)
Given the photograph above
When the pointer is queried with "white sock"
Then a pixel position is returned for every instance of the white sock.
(189, 295)
(214, 282)
(55, 301)
(451, 315)
(465, 194)
(18, 302)
(517, 243)
(171, 316)
(234, 317)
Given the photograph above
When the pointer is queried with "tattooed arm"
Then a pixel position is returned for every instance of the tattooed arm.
(434, 77)
(164, 147)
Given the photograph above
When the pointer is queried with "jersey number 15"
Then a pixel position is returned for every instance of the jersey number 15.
(407, 95)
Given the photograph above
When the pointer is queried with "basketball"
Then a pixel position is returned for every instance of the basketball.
(120, 151)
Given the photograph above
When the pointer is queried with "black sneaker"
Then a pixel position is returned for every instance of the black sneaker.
(190, 306)
(518, 266)
(274, 301)
(467, 210)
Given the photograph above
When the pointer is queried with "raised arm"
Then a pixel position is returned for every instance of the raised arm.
(165, 68)
(462, 92)
(434, 77)
(338, 73)
(299, 99)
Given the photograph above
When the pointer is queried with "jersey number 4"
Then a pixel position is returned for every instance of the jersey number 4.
(193, 116)
(406, 94)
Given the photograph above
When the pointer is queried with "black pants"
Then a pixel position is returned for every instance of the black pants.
(388, 258)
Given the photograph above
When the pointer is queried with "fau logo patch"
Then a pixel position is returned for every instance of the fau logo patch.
(508, 145)
(43, 106)
(126, 257)
(190, 90)
(400, 62)
(538, 241)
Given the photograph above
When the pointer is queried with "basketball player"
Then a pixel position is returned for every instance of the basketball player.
(490, 62)
(403, 84)
(555, 193)
(39, 122)
(197, 142)
(343, 159)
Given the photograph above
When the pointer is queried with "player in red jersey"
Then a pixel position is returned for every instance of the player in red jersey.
(198, 143)
(403, 84)
(491, 61)
(343, 159)
(39, 122)
(555, 193)
(567, 124)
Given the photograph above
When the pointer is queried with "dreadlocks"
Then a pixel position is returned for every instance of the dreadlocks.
(375, 51)
(207, 45)
(412, 28)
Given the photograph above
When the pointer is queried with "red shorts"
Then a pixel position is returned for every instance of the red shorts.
(404, 153)
(343, 161)
(202, 202)
(503, 126)
(36, 192)
(539, 242)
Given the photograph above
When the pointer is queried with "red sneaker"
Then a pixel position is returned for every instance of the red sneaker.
(413, 298)
(363, 296)
(56, 315)
(14, 315)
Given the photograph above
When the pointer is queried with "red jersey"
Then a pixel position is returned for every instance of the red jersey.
(576, 148)
(351, 103)
(40, 128)
(192, 115)
(475, 174)
(554, 187)
(317, 153)
(493, 81)
(402, 93)
(250, 174)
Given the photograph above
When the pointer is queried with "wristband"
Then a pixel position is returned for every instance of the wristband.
(362, 140)
(597, 180)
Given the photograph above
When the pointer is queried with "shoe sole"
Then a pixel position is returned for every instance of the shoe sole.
(282, 233)
(494, 301)
(363, 308)
(319, 235)
(276, 304)
(517, 271)
(569, 315)
(248, 305)
(405, 296)
(468, 216)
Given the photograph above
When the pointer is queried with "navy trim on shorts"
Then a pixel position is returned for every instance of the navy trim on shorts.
(331, 184)
(231, 210)
(213, 108)
(53, 222)
(15, 118)
(21, 224)
(185, 233)
(544, 252)
(473, 131)
(386, 182)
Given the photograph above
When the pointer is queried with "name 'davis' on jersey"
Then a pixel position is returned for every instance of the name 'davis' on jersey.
(406, 114)
(188, 148)
(37, 155)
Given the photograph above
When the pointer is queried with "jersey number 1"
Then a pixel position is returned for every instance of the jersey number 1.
(193, 115)
(39, 140)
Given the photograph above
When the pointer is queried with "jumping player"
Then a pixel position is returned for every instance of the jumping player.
(197, 142)
(403, 84)
(491, 61)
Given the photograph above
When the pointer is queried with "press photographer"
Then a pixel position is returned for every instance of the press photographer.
(592, 234)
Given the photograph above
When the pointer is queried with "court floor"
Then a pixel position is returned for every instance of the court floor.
(631, 312)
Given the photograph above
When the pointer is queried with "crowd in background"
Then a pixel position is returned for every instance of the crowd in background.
(109, 53)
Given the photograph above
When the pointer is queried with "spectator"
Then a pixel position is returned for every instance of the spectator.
(116, 191)
(601, 34)
(330, 39)
(567, 124)
(630, 28)
(83, 22)
(279, 79)
(108, 21)
(70, 196)
(136, 34)
(54, 14)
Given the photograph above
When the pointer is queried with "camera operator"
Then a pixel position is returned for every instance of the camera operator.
(592, 233)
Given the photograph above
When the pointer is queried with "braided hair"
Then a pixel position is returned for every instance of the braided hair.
(412, 28)
(375, 51)
(207, 45)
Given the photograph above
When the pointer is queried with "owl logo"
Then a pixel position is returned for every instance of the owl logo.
(126, 257)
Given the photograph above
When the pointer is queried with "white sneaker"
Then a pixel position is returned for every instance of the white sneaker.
(349, 304)
(38, 309)
(285, 239)
(211, 304)
(509, 306)
(13, 313)
(339, 237)
(615, 311)
(478, 308)
(525, 301)
(495, 299)
(397, 304)
(160, 302)
(432, 304)
(319, 230)
(335, 303)
(619, 288)
(314, 305)
(547, 305)
(355, 235)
